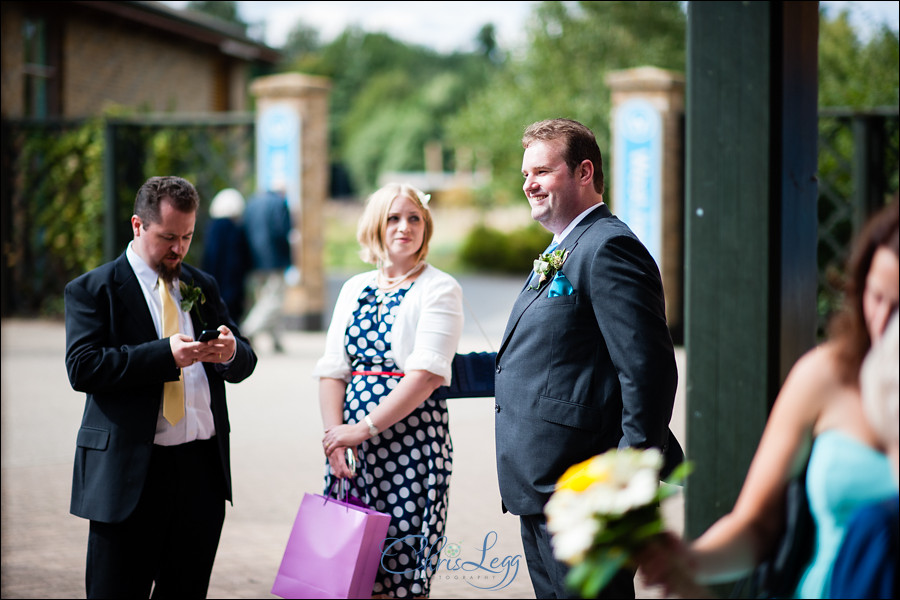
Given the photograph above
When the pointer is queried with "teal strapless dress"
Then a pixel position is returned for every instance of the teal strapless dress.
(843, 474)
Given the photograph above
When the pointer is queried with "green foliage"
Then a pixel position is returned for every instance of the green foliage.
(226, 10)
(490, 250)
(63, 174)
(390, 99)
(302, 41)
(853, 74)
(571, 48)
(392, 121)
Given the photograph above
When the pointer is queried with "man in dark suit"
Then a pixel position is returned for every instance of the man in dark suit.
(152, 468)
(587, 362)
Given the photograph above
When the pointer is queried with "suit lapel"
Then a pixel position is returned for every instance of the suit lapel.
(527, 297)
(571, 240)
(128, 289)
(188, 278)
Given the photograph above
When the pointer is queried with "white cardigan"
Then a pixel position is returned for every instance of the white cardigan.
(425, 333)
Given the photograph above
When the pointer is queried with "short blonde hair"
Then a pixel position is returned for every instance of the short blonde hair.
(373, 224)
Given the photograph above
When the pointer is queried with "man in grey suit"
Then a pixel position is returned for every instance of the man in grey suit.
(587, 362)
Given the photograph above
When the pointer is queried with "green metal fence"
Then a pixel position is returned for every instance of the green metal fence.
(858, 173)
(68, 189)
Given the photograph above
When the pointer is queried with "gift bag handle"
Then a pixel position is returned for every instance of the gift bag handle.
(347, 484)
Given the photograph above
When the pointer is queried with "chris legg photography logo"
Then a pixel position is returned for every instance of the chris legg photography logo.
(474, 565)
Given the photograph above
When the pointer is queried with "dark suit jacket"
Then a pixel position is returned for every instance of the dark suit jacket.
(583, 373)
(114, 355)
(226, 256)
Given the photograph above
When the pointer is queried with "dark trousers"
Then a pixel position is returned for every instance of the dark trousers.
(548, 575)
(168, 544)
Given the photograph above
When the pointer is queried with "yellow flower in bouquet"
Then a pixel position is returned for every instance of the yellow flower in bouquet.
(603, 510)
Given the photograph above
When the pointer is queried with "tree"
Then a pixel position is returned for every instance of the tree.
(226, 10)
(486, 41)
(854, 74)
(389, 99)
(570, 48)
(302, 41)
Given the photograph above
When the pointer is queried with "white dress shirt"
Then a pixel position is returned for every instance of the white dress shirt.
(197, 423)
(575, 221)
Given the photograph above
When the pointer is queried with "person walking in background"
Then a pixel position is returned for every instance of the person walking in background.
(818, 423)
(267, 222)
(152, 467)
(392, 338)
(587, 362)
(226, 254)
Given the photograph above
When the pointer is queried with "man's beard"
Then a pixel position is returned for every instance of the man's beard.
(167, 273)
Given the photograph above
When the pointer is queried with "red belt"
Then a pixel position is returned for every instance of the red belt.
(381, 373)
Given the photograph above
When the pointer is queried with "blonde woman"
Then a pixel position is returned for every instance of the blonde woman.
(390, 344)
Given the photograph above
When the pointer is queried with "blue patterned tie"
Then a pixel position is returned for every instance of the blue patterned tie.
(534, 277)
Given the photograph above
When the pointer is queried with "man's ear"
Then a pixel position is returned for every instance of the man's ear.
(585, 172)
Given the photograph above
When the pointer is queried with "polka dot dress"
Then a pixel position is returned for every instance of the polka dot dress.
(405, 470)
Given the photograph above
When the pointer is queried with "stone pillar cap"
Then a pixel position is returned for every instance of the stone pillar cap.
(289, 84)
(644, 78)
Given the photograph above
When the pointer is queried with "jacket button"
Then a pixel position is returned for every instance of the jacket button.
(496, 408)
(498, 368)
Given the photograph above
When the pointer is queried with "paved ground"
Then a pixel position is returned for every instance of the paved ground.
(276, 457)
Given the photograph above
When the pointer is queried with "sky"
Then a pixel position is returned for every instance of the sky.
(452, 26)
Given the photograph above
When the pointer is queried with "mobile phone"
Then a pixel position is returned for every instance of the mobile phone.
(208, 335)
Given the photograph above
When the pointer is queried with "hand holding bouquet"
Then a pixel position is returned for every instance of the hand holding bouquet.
(603, 512)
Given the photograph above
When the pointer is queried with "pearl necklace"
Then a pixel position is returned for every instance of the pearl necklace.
(387, 283)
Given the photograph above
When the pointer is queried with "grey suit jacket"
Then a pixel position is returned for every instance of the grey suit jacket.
(114, 355)
(579, 374)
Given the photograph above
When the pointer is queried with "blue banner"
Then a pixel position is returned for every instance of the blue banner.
(278, 151)
(637, 175)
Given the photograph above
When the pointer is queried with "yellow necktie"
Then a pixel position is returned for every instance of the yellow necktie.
(173, 391)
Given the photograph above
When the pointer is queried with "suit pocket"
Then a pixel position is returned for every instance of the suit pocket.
(568, 299)
(569, 414)
(94, 439)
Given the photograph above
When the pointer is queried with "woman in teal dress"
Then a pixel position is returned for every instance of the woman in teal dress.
(817, 418)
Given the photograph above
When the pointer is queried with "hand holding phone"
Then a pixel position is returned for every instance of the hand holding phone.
(207, 335)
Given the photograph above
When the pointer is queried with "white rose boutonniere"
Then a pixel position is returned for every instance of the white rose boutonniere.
(547, 265)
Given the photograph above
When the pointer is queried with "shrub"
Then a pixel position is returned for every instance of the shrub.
(490, 250)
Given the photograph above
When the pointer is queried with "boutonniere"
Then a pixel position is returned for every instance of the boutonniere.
(547, 265)
(190, 294)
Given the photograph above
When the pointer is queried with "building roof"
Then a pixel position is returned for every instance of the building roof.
(231, 39)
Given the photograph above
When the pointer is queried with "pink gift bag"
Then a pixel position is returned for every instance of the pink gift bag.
(333, 551)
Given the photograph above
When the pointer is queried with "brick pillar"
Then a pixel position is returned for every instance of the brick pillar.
(648, 171)
(292, 150)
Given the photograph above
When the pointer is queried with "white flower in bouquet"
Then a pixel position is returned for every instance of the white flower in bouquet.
(603, 510)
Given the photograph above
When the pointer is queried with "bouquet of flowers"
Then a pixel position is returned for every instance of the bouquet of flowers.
(603, 511)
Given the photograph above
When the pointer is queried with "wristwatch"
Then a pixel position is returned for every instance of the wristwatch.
(373, 431)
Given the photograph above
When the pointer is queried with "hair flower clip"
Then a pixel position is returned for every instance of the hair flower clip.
(423, 197)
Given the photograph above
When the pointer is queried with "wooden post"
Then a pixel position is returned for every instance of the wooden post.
(750, 220)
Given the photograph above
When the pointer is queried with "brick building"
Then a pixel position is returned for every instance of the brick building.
(74, 59)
